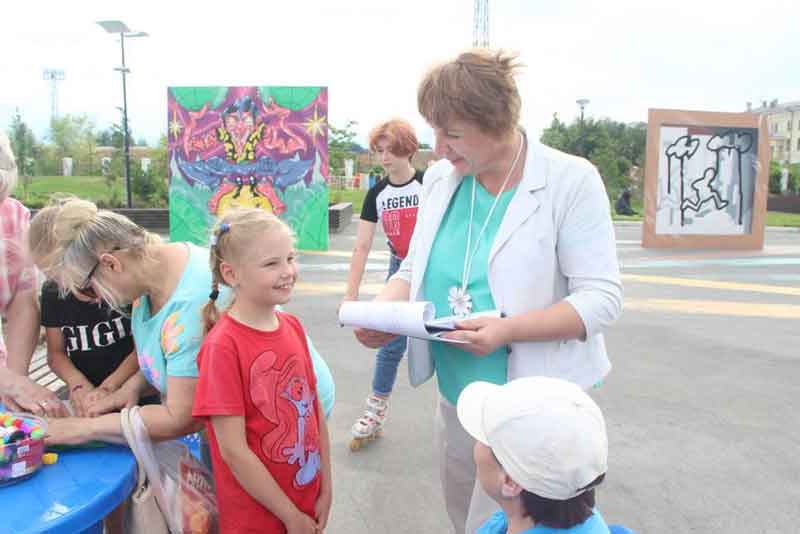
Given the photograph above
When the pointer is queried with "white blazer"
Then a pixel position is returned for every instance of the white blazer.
(555, 242)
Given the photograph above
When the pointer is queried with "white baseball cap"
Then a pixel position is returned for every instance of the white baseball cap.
(547, 433)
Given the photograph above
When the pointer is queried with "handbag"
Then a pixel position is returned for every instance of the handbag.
(143, 515)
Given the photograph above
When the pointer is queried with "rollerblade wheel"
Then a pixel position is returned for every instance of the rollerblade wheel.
(355, 444)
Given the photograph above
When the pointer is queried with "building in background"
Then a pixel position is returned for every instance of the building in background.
(783, 123)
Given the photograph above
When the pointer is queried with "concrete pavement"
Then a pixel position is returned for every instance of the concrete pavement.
(701, 403)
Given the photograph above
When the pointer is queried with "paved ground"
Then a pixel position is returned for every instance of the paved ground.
(701, 404)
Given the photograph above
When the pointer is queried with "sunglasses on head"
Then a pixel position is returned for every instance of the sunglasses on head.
(86, 288)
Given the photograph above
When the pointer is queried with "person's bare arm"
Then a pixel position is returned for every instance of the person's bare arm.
(77, 384)
(164, 421)
(486, 334)
(128, 368)
(126, 396)
(395, 289)
(22, 332)
(364, 238)
(21, 394)
(322, 509)
(254, 477)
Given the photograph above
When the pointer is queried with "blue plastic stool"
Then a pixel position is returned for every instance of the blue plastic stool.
(619, 529)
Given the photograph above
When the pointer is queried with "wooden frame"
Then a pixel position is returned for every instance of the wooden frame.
(700, 121)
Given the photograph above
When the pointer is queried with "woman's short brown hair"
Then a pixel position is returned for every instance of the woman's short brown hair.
(399, 135)
(478, 86)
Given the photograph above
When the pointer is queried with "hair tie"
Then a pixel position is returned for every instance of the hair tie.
(214, 294)
(221, 230)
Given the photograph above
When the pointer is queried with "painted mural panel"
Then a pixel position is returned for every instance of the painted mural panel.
(264, 147)
(705, 180)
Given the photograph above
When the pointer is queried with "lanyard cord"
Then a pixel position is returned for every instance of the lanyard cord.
(467, 256)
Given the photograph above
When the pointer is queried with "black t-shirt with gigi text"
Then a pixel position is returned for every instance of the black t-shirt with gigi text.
(96, 338)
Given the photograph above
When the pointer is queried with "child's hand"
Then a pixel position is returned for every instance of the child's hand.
(79, 397)
(322, 509)
(92, 396)
(300, 523)
(115, 402)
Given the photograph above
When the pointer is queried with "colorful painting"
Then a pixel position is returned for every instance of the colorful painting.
(705, 180)
(263, 147)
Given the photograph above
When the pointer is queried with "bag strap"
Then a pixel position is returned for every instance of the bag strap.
(139, 446)
(141, 478)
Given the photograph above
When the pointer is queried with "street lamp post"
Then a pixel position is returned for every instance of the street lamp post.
(117, 26)
(582, 103)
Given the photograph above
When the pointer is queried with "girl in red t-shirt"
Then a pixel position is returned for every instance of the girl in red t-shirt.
(257, 388)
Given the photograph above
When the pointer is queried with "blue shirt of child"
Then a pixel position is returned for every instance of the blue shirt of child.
(498, 524)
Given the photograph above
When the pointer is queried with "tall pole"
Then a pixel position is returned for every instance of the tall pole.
(126, 141)
(582, 103)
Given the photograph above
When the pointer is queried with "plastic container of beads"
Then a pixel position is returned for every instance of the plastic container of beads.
(21, 446)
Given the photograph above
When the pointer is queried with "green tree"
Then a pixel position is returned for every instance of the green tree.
(74, 136)
(616, 149)
(341, 143)
(25, 148)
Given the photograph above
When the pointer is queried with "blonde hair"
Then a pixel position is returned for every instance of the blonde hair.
(478, 86)
(8, 168)
(230, 239)
(81, 233)
(41, 240)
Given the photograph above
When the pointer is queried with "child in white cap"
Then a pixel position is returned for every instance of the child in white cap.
(541, 448)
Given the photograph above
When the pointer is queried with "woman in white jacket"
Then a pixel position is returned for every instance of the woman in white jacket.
(507, 224)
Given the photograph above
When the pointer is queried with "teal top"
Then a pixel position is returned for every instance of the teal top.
(167, 343)
(455, 369)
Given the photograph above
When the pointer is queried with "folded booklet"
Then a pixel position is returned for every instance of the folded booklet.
(413, 319)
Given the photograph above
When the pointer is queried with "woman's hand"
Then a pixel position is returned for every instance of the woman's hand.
(68, 431)
(372, 339)
(483, 335)
(28, 396)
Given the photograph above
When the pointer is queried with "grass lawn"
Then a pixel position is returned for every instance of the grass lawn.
(777, 218)
(774, 218)
(95, 188)
(355, 196)
(92, 188)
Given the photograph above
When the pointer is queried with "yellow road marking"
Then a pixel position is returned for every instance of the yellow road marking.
(715, 307)
(692, 307)
(711, 284)
(334, 288)
(383, 254)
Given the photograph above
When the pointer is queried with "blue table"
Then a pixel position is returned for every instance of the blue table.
(71, 496)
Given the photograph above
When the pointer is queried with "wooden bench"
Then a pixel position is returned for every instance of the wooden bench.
(785, 204)
(40, 373)
(154, 219)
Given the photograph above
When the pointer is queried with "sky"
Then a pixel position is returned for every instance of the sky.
(625, 56)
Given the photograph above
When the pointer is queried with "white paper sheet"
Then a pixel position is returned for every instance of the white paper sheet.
(413, 319)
